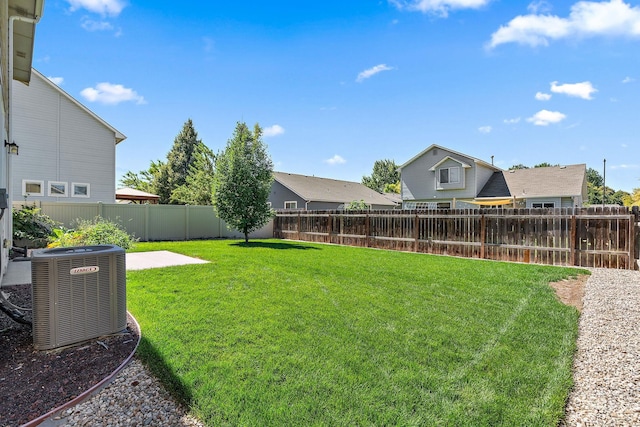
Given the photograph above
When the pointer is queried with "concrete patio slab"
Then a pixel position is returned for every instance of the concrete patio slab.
(19, 272)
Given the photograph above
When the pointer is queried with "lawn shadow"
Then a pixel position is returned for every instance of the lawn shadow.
(150, 357)
(274, 245)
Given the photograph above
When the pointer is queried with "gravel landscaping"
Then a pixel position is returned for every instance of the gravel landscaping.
(607, 364)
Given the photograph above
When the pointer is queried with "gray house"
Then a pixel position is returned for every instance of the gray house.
(292, 191)
(66, 152)
(440, 178)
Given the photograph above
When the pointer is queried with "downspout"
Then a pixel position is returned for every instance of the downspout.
(8, 240)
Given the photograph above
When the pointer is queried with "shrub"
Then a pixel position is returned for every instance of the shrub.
(32, 225)
(98, 231)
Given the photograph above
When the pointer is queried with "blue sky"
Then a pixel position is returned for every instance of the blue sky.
(338, 85)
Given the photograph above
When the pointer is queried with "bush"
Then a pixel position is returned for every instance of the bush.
(98, 231)
(29, 224)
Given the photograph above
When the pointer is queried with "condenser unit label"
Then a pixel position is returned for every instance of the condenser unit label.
(84, 270)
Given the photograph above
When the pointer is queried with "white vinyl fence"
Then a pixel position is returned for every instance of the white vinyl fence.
(149, 222)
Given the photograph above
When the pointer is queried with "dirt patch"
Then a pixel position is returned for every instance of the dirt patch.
(571, 291)
(34, 382)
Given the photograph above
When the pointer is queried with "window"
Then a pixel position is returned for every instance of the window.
(291, 205)
(57, 189)
(80, 190)
(543, 205)
(32, 188)
(449, 175)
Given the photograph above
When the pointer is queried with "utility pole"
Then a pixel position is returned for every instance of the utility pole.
(604, 182)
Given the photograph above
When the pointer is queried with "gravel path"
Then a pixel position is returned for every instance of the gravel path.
(134, 398)
(606, 370)
(607, 364)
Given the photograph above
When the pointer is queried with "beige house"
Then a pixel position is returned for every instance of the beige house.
(441, 178)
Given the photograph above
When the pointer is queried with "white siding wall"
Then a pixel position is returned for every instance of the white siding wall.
(60, 142)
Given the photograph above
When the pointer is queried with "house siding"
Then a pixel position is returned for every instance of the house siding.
(60, 142)
(418, 182)
(280, 194)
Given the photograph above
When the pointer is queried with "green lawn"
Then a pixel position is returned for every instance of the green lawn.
(279, 333)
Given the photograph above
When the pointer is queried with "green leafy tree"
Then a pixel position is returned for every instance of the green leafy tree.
(198, 187)
(518, 166)
(242, 181)
(384, 172)
(632, 199)
(357, 205)
(146, 180)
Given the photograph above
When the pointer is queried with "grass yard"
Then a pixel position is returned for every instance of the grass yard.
(279, 333)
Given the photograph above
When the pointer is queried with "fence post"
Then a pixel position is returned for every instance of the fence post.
(367, 229)
(186, 220)
(573, 243)
(146, 222)
(416, 232)
(329, 226)
(482, 236)
(298, 228)
(100, 209)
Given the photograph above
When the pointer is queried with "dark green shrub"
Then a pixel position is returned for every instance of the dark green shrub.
(31, 227)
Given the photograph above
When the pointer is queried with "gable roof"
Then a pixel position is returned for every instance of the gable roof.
(119, 137)
(432, 146)
(496, 186)
(553, 181)
(315, 189)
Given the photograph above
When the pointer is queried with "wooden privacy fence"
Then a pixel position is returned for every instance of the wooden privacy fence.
(585, 237)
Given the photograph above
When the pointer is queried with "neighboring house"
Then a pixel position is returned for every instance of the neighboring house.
(133, 196)
(292, 191)
(440, 178)
(66, 152)
(18, 19)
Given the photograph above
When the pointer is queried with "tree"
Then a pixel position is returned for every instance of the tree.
(179, 161)
(632, 199)
(146, 180)
(198, 187)
(545, 165)
(518, 166)
(163, 178)
(384, 172)
(357, 205)
(242, 181)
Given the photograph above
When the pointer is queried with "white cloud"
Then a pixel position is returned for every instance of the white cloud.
(543, 96)
(586, 19)
(91, 25)
(111, 94)
(625, 166)
(438, 7)
(274, 130)
(57, 80)
(336, 160)
(512, 121)
(579, 90)
(628, 80)
(485, 129)
(103, 7)
(372, 72)
(546, 117)
(540, 6)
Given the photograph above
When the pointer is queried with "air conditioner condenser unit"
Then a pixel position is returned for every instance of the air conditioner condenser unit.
(78, 293)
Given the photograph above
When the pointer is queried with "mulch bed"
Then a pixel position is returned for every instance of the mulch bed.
(34, 382)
